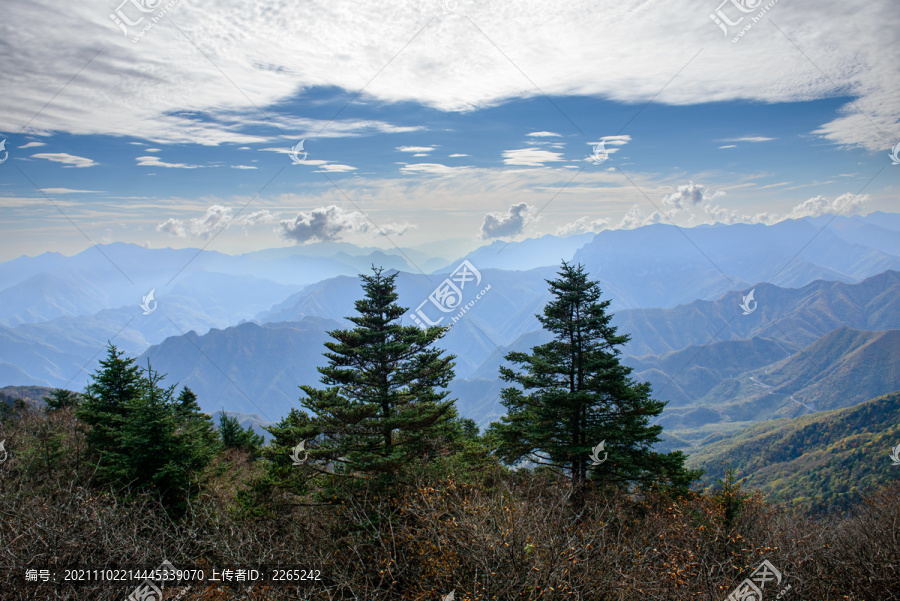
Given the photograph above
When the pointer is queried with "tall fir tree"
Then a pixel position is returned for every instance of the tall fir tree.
(113, 386)
(573, 394)
(383, 404)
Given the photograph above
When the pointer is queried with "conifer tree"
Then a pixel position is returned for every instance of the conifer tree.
(115, 383)
(60, 399)
(142, 436)
(573, 394)
(234, 436)
(382, 405)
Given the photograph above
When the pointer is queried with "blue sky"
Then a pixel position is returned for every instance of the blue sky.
(425, 121)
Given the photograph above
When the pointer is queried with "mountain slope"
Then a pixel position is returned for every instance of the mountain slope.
(824, 461)
(841, 369)
(248, 368)
(795, 315)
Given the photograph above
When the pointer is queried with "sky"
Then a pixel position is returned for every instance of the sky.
(239, 126)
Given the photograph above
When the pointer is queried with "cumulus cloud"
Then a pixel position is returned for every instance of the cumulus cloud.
(845, 204)
(690, 195)
(498, 225)
(217, 217)
(692, 210)
(582, 225)
(330, 223)
(67, 159)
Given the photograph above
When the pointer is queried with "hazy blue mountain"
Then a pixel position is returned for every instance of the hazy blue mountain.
(664, 266)
(796, 315)
(522, 255)
(249, 368)
(505, 312)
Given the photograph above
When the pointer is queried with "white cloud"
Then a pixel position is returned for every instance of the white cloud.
(217, 217)
(582, 225)
(431, 168)
(336, 168)
(455, 155)
(32, 145)
(243, 167)
(729, 146)
(331, 223)
(151, 161)
(845, 204)
(749, 139)
(418, 149)
(147, 91)
(544, 134)
(530, 157)
(68, 160)
(152, 149)
(498, 225)
(690, 195)
(67, 191)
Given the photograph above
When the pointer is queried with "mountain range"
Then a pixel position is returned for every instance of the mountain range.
(243, 331)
